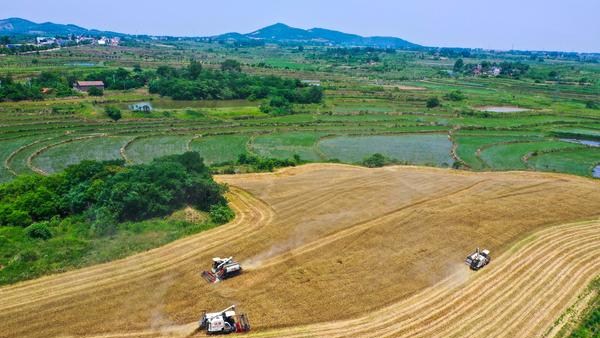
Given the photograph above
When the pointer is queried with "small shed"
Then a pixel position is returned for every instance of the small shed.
(141, 106)
(84, 86)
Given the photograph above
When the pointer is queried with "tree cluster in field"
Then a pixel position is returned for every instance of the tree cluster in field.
(352, 55)
(58, 86)
(190, 83)
(107, 193)
(196, 83)
(121, 78)
(267, 164)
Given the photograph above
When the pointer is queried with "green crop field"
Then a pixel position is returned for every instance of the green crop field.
(218, 149)
(580, 161)
(368, 107)
(57, 157)
(426, 149)
(145, 149)
(286, 145)
(510, 156)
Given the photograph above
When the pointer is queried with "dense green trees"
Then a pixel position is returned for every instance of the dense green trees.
(95, 91)
(374, 161)
(113, 113)
(109, 192)
(433, 102)
(458, 65)
(120, 78)
(194, 83)
(16, 91)
(455, 95)
(190, 83)
(231, 66)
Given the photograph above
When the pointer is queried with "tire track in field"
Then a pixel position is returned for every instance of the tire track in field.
(359, 227)
(572, 249)
(564, 244)
(423, 302)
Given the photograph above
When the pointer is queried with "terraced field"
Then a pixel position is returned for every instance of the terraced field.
(432, 149)
(302, 246)
(58, 157)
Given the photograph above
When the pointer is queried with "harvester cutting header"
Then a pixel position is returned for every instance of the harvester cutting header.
(222, 268)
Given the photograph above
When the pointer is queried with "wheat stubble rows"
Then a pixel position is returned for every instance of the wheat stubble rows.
(341, 251)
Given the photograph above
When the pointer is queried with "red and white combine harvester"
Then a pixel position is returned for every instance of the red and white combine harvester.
(222, 268)
(224, 322)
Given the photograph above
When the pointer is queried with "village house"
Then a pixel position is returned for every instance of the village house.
(85, 86)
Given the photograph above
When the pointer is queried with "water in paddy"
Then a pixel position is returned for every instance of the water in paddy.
(596, 171)
(588, 143)
(504, 109)
(429, 149)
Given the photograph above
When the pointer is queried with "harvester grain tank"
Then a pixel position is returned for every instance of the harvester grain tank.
(478, 259)
(224, 322)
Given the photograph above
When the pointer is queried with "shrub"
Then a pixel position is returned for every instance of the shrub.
(374, 161)
(39, 230)
(105, 222)
(113, 112)
(455, 95)
(433, 102)
(93, 91)
(221, 214)
(592, 105)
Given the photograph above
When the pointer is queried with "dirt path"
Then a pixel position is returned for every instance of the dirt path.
(367, 252)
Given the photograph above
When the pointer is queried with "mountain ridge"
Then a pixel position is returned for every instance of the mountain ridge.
(278, 33)
(282, 33)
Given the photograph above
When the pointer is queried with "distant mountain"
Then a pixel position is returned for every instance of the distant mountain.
(17, 26)
(277, 33)
(281, 33)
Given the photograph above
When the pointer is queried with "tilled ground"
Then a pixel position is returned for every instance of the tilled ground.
(364, 252)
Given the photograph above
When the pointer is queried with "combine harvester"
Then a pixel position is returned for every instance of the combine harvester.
(478, 259)
(222, 268)
(224, 322)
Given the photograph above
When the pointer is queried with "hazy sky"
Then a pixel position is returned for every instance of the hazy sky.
(571, 25)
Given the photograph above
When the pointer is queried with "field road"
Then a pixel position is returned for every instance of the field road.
(342, 251)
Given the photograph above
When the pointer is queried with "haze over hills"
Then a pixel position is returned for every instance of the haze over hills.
(18, 26)
(277, 33)
(281, 33)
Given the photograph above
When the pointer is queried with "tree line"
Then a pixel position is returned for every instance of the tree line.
(107, 193)
(189, 83)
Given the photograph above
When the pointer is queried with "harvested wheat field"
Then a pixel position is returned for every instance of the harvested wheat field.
(334, 250)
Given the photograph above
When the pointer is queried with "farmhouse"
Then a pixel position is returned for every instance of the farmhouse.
(142, 106)
(316, 83)
(84, 86)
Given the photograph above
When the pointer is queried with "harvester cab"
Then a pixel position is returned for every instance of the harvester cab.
(222, 268)
(478, 259)
(224, 322)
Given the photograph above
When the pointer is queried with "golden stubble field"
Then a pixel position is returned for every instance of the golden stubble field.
(336, 250)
